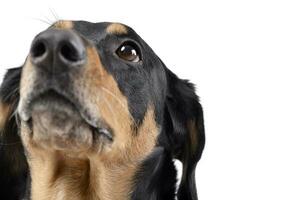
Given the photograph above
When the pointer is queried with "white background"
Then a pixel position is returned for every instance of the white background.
(244, 57)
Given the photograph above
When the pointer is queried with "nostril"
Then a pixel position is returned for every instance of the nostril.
(38, 49)
(70, 53)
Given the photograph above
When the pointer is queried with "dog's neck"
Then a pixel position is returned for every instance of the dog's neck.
(68, 178)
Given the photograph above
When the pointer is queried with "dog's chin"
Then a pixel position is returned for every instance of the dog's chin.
(57, 124)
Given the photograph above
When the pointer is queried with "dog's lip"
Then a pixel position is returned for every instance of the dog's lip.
(97, 126)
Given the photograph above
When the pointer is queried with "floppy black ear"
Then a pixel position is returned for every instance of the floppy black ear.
(185, 131)
(13, 166)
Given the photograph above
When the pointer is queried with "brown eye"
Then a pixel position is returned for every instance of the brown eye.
(128, 52)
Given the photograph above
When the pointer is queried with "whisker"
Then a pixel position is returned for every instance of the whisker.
(17, 119)
(119, 101)
(54, 14)
(100, 149)
(10, 144)
(49, 20)
(13, 114)
(113, 95)
(41, 20)
(110, 109)
(14, 91)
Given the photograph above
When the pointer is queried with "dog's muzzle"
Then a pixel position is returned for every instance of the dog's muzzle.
(51, 105)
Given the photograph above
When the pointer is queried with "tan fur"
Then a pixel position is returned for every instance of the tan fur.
(27, 80)
(57, 176)
(5, 111)
(105, 172)
(116, 28)
(63, 24)
(113, 108)
(193, 133)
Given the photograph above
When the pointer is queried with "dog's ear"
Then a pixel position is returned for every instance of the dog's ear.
(184, 128)
(13, 166)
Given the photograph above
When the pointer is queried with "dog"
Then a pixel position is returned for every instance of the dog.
(95, 114)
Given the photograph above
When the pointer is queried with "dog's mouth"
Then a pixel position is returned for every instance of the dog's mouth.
(57, 121)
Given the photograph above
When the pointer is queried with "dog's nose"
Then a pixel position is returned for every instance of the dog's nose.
(57, 50)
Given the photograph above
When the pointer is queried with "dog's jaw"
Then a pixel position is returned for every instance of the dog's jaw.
(57, 125)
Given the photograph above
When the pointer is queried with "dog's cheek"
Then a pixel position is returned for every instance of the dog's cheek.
(134, 146)
(144, 141)
(100, 92)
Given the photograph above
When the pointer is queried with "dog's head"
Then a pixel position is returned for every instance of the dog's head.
(97, 92)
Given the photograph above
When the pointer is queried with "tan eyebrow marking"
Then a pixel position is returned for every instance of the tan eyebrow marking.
(116, 28)
(63, 24)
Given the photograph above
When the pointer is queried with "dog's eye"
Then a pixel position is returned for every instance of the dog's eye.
(129, 52)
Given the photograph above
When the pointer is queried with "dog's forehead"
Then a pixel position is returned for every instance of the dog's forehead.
(94, 31)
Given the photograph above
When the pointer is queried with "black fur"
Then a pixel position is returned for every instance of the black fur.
(175, 103)
(13, 166)
(161, 173)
